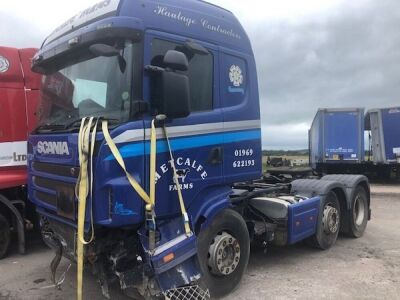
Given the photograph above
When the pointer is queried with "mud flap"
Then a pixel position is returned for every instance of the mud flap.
(302, 220)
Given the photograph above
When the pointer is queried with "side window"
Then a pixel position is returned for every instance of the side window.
(200, 75)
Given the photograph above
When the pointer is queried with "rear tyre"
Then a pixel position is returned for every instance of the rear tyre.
(223, 253)
(328, 225)
(5, 236)
(358, 216)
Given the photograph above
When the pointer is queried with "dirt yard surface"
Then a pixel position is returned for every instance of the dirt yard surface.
(366, 268)
(380, 189)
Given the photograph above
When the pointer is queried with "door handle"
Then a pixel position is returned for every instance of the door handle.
(216, 156)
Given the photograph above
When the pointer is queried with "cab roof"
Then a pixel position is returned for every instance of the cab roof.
(194, 19)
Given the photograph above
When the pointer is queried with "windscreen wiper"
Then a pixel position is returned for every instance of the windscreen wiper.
(50, 127)
(77, 122)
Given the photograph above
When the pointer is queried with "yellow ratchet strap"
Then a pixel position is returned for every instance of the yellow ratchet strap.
(153, 154)
(93, 143)
(86, 143)
(84, 186)
(114, 150)
(150, 200)
(185, 216)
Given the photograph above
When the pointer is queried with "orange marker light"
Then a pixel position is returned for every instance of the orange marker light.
(168, 258)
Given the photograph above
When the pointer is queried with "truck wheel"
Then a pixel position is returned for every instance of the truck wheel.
(329, 224)
(223, 253)
(4, 236)
(358, 217)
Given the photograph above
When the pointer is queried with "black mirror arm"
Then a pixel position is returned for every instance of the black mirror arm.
(139, 108)
(196, 48)
(153, 69)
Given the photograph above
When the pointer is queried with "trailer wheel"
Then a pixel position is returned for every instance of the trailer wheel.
(329, 224)
(4, 236)
(358, 216)
(223, 253)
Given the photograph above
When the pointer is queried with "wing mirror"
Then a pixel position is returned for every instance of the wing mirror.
(174, 85)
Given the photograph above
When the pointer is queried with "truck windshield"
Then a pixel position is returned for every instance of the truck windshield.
(97, 86)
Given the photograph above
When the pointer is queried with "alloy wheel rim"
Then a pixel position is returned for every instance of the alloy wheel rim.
(224, 254)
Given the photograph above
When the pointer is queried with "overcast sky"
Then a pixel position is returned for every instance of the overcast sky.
(309, 53)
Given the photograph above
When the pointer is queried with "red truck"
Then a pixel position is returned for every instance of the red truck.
(19, 97)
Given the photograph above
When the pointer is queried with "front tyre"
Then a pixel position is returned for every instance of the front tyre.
(223, 253)
(329, 223)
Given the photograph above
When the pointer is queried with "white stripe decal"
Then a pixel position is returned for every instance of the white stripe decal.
(13, 154)
(136, 135)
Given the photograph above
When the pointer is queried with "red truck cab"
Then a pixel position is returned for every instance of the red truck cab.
(19, 97)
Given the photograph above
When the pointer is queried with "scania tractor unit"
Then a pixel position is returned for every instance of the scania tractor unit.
(19, 96)
(146, 166)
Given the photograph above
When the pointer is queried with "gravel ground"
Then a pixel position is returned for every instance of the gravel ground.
(366, 268)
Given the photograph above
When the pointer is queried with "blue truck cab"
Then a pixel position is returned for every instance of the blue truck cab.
(188, 68)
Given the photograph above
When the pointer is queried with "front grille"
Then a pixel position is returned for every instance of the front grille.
(59, 170)
(46, 198)
(51, 184)
(61, 194)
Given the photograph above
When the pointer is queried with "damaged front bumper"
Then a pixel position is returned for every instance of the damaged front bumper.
(117, 255)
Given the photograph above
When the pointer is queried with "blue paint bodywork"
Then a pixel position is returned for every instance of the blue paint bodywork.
(302, 219)
(227, 49)
(206, 184)
(184, 262)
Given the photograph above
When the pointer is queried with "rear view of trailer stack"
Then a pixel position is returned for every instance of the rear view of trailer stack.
(337, 141)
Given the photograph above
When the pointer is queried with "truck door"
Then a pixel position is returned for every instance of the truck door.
(241, 112)
(197, 139)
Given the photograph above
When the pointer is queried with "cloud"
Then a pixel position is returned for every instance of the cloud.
(285, 136)
(346, 59)
(310, 54)
(28, 27)
(20, 33)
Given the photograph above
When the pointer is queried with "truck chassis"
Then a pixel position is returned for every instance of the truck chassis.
(267, 214)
